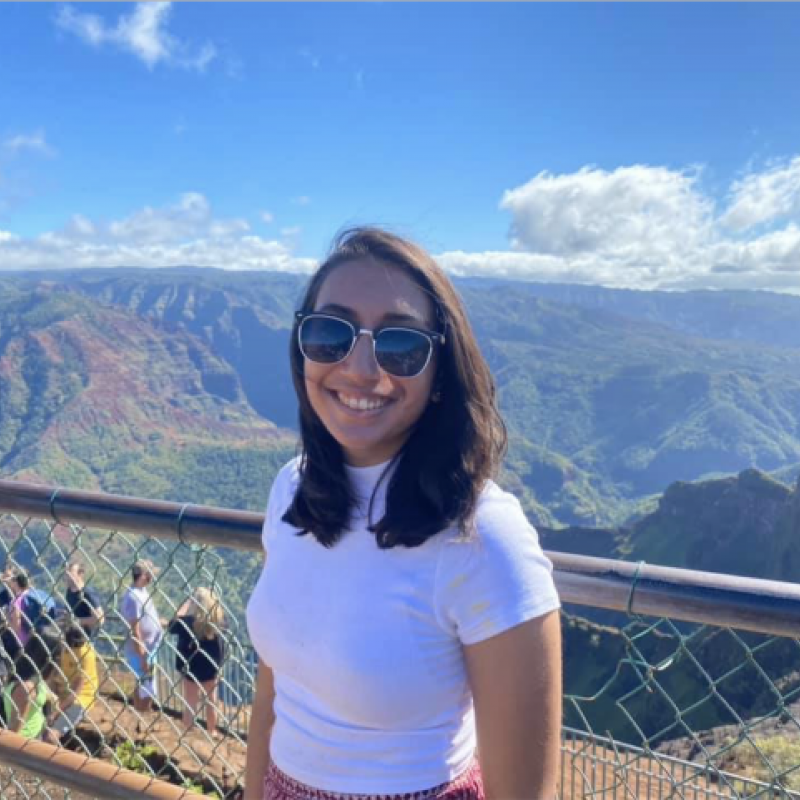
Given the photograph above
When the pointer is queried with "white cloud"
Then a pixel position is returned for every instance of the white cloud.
(301, 200)
(183, 233)
(644, 227)
(142, 33)
(634, 213)
(36, 142)
(638, 227)
(189, 218)
(762, 197)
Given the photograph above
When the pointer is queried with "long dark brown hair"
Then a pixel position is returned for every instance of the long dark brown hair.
(455, 446)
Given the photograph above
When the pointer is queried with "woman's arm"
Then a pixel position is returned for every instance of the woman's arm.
(515, 679)
(95, 619)
(258, 735)
(20, 703)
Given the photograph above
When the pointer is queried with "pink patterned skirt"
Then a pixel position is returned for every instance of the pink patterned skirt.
(467, 786)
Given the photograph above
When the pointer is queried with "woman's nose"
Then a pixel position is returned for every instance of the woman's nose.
(361, 360)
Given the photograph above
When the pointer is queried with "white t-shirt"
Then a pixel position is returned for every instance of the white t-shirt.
(371, 690)
(135, 606)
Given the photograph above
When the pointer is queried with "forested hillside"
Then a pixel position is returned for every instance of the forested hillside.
(604, 408)
(747, 524)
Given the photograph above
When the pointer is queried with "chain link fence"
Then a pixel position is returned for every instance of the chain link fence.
(654, 707)
(168, 737)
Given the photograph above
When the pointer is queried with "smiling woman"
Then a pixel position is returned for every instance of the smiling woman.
(428, 617)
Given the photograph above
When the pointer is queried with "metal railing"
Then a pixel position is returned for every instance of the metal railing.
(614, 769)
(680, 658)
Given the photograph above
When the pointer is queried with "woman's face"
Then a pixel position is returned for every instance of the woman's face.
(370, 295)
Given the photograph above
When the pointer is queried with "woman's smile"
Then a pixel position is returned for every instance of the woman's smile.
(366, 405)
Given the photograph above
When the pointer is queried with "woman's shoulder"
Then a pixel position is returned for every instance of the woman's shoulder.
(283, 490)
(499, 512)
(500, 541)
(286, 481)
(496, 576)
(290, 471)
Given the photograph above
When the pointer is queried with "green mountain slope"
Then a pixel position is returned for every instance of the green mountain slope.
(636, 404)
(97, 397)
(748, 524)
(751, 316)
(604, 410)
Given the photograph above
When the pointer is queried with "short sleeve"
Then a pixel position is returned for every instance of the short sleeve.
(283, 489)
(132, 608)
(497, 578)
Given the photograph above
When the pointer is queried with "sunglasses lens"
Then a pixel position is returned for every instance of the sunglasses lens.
(403, 353)
(325, 340)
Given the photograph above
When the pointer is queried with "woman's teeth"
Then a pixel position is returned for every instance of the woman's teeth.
(362, 403)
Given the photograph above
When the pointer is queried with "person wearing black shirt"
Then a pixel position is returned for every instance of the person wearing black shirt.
(199, 654)
(82, 600)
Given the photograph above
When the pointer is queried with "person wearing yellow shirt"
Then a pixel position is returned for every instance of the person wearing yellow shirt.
(79, 667)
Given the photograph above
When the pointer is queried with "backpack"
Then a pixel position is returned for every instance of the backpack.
(38, 610)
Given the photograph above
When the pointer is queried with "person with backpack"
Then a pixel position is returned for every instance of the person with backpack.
(24, 609)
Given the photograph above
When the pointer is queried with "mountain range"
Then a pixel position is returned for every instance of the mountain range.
(609, 396)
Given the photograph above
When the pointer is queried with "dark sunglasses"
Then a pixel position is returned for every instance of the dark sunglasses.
(402, 352)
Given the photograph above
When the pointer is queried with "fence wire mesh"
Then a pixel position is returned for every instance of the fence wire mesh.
(653, 708)
(162, 711)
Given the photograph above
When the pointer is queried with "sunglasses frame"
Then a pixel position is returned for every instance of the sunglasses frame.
(433, 337)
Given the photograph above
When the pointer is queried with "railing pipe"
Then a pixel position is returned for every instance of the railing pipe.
(191, 524)
(752, 604)
(81, 773)
(710, 598)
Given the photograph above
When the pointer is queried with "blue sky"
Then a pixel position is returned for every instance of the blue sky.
(639, 145)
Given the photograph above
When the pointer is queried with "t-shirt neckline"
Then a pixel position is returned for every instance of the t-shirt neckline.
(364, 479)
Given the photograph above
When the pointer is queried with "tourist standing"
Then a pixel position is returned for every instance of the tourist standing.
(145, 632)
(200, 652)
(82, 600)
